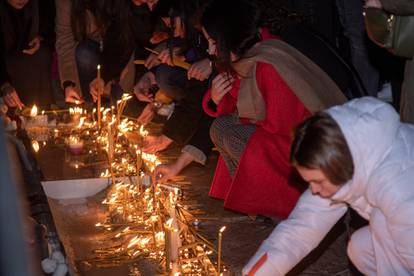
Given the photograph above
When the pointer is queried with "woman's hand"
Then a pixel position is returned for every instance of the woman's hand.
(158, 37)
(220, 86)
(200, 70)
(12, 99)
(146, 115)
(95, 87)
(164, 172)
(152, 61)
(373, 4)
(142, 88)
(153, 144)
(34, 45)
(72, 96)
(165, 56)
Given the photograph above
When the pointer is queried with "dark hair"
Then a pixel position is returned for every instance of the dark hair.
(234, 25)
(106, 13)
(189, 11)
(320, 144)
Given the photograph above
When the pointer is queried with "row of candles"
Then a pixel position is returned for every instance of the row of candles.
(148, 217)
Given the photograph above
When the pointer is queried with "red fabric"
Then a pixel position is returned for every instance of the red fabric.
(262, 183)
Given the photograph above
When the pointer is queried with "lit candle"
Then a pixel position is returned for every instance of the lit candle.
(75, 145)
(220, 237)
(139, 161)
(35, 146)
(37, 119)
(99, 94)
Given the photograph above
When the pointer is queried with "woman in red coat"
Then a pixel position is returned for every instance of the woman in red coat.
(256, 109)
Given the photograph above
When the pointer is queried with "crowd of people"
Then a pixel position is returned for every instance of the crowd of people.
(230, 79)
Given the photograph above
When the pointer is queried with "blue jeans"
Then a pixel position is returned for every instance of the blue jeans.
(87, 59)
(352, 21)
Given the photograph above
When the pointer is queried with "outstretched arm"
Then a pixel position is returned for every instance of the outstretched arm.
(295, 237)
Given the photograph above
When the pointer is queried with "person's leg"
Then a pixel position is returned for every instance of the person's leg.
(361, 251)
(231, 137)
(407, 94)
(352, 21)
(373, 249)
(87, 59)
(188, 95)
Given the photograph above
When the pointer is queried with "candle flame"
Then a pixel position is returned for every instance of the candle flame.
(81, 121)
(222, 229)
(35, 146)
(168, 223)
(33, 112)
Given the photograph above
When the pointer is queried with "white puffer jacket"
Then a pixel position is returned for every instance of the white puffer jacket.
(383, 153)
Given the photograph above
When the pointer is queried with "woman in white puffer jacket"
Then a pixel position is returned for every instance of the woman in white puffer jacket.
(358, 155)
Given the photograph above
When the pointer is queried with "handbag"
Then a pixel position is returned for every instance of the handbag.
(392, 32)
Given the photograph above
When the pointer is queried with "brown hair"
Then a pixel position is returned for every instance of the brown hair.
(320, 144)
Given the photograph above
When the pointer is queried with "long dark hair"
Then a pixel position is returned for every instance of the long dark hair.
(105, 13)
(189, 11)
(320, 144)
(234, 26)
(79, 17)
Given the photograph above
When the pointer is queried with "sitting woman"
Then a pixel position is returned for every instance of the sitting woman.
(187, 125)
(357, 155)
(264, 90)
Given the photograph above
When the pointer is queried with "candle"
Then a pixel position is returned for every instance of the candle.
(139, 161)
(99, 94)
(111, 145)
(75, 145)
(167, 238)
(37, 120)
(220, 237)
(35, 146)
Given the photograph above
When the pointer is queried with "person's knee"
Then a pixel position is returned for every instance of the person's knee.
(216, 131)
(358, 246)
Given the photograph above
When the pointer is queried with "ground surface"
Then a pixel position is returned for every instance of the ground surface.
(75, 220)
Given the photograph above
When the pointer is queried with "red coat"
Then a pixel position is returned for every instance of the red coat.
(262, 184)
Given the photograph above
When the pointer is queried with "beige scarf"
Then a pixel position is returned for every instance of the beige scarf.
(310, 83)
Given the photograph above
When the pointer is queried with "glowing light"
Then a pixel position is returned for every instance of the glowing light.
(35, 146)
(33, 111)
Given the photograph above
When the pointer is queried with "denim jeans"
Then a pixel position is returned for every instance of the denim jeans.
(87, 59)
(352, 20)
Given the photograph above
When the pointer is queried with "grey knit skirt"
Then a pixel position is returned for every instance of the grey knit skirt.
(230, 138)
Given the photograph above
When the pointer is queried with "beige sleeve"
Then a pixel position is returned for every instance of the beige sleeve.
(66, 44)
